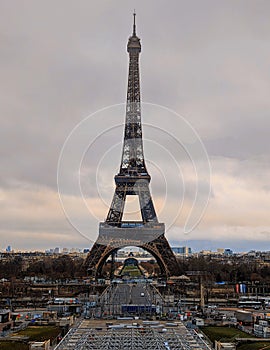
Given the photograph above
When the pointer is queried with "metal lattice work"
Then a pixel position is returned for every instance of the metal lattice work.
(132, 179)
(135, 186)
(132, 338)
(158, 247)
(132, 156)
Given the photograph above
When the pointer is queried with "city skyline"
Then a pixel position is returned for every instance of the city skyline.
(208, 62)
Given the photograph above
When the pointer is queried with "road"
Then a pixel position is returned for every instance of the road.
(129, 294)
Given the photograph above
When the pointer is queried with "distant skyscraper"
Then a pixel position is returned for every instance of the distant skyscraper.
(228, 251)
(181, 250)
(8, 249)
(220, 250)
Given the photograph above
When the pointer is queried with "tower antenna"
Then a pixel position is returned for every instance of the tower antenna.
(134, 23)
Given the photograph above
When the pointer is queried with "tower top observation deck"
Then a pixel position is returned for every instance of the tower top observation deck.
(133, 41)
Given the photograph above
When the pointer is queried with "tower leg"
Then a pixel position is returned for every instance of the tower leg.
(158, 247)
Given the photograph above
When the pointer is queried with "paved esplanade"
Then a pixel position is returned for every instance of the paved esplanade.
(138, 294)
(118, 299)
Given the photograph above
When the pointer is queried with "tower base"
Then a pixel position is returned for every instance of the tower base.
(149, 237)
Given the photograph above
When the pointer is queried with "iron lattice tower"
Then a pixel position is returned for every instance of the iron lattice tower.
(132, 179)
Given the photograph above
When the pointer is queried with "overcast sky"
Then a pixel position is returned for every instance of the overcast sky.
(63, 60)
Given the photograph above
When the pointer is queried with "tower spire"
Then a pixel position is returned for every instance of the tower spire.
(134, 23)
(132, 156)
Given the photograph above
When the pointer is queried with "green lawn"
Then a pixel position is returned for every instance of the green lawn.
(133, 271)
(8, 345)
(224, 333)
(229, 334)
(35, 333)
(254, 346)
(39, 333)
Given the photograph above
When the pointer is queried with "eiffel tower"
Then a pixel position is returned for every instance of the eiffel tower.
(132, 179)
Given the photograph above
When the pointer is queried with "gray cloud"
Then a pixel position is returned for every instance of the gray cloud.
(61, 61)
